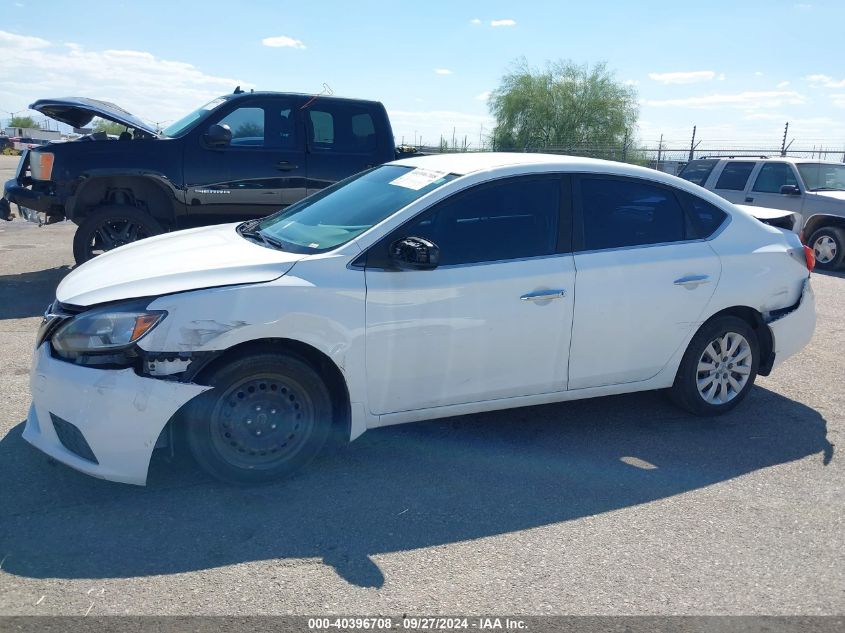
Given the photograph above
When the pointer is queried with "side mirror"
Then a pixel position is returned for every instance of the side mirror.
(218, 136)
(414, 253)
(790, 190)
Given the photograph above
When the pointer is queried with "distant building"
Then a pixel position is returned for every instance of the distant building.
(34, 133)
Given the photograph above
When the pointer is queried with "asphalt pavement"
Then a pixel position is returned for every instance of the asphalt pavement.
(620, 505)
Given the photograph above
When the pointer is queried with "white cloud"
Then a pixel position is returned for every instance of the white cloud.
(782, 85)
(34, 68)
(26, 42)
(282, 41)
(690, 77)
(749, 100)
(442, 71)
(825, 81)
(631, 82)
(483, 96)
(758, 74)
(721, 77)
(838, 100)
(475, 21)
(507, 22)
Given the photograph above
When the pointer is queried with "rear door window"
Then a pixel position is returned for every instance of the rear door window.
(697, 171)
(341, 127)
(626, 212)
(704, 218)
(735, 175)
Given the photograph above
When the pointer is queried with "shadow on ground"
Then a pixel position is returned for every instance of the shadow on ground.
(394, 489)
(28, 294)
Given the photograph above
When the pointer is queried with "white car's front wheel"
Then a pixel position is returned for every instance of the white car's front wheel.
(718, 368)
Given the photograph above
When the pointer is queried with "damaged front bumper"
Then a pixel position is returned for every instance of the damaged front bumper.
(793, 330)
(102, 422)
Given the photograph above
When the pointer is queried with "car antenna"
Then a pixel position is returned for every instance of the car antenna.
(238, 91)
(327, 90)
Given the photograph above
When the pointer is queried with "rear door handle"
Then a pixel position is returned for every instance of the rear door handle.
(543, 295)
(286, 165)
(692, 281)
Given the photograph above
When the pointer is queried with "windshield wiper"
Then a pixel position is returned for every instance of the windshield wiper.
(828, 189)
(248, 230)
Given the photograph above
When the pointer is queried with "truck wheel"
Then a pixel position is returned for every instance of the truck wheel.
(267, 416)
(828, 244)
(109, 227)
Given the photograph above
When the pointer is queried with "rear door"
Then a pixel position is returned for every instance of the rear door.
(765, 190)
(644, 277)
(733, 179)
(262, 170)
(342, 140)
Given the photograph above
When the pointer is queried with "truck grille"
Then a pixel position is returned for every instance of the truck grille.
(72, 439)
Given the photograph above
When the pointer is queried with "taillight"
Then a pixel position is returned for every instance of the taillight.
(810, 256)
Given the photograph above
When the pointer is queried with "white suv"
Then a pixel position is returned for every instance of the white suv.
(814, 189)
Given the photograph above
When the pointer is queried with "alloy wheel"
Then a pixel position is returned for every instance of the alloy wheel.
(724, 368)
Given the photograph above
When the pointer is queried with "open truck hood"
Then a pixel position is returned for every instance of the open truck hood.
(79, 111)
(205, 257)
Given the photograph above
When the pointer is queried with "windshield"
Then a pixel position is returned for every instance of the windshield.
(822, 176)
(345, 210)
(178, 128)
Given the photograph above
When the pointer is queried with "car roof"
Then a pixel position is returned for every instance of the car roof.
(270, 93)
(471, 162)
(783, 159)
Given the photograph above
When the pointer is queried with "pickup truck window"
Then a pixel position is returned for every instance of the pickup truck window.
(735, 175)
(181, 126)
(822, 176)
(343, 211)
(247, 125)
(773, 176)
(341, 127)
(698, 171)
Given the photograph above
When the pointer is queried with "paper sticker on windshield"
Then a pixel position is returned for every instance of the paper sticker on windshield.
(418, 178)
(213, 104)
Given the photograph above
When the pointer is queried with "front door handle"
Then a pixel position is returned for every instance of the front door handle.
(692, 281)
(749, 199)
(543, 295)
(286, 165)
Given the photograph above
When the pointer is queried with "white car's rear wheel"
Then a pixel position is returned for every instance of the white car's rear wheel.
(718, 368)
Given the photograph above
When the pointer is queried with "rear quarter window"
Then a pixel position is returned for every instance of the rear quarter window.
(703, 218)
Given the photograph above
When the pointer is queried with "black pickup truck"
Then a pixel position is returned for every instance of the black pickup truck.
(239, 156)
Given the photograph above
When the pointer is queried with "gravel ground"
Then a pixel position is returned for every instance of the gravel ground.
(619, 505)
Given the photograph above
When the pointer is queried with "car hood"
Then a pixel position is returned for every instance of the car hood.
(174, 262)
(836, 195)
(79, 111)
(765, 213)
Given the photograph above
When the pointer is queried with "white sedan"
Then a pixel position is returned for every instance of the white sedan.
(428, 287)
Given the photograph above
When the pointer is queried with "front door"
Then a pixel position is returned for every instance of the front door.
(644, 278)
(262, 170)
(493, 320)
(765, 192)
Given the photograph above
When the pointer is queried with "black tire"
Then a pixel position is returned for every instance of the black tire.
(685, 392)
(821, 242)
(111, 226)
(267, 416)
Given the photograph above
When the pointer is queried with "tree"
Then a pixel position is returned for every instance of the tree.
(22, 121)
(566, 105)
(109, 127)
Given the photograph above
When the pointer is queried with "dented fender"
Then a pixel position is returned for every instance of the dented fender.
(792, 330)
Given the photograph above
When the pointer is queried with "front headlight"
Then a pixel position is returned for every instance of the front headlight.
(105, 329)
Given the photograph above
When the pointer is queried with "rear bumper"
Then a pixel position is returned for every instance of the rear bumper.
(792, 331)
(118, 414)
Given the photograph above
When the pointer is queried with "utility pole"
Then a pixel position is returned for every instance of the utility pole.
(692, 144)
(659, 152)
(783, 142)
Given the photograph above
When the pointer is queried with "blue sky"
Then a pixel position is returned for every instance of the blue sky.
(737, 70)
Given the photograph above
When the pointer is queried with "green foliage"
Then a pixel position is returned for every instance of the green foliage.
(565, 105)
(109, 127)
(10, 151)
(249, 130)
(23, 121)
